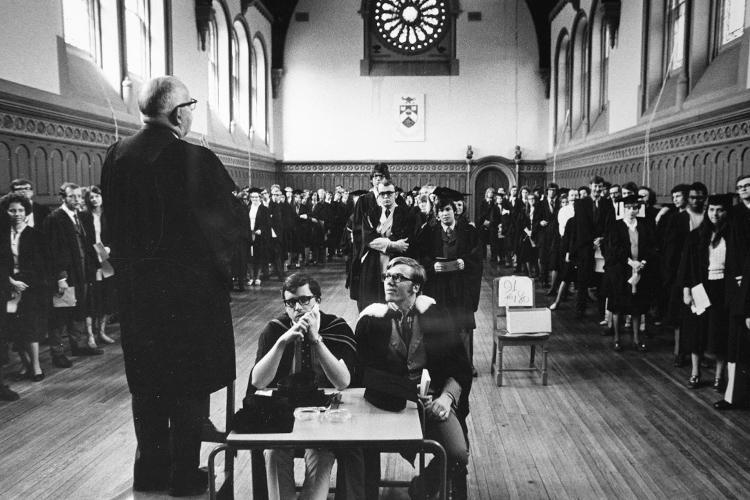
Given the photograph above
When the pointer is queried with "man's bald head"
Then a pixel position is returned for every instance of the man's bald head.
(160, 95)
(165, 101)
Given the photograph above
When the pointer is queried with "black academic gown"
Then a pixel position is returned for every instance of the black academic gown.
(457, 291)
(174, 223)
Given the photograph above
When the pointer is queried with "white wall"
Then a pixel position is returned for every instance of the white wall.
(31, 29)
(625, 68)
(331, 112)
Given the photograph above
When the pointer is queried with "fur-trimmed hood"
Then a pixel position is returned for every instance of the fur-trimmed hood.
(380, 310)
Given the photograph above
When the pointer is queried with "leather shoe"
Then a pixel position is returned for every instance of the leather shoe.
(37, 377)
(6, 394)
(196, 484)
(723, 404)
(61, 361)
(86, 351)
(694, 381)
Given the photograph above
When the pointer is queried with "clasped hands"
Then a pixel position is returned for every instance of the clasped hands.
(399, 246)
(18, 286)
(636, 265)
(441, 267)
(308, 325)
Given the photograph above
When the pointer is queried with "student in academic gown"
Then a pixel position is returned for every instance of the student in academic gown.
(362, 207)
(387, 232)
(629, 252)
(737, 394)
(260, 236)
(452, 255)
(705, 262)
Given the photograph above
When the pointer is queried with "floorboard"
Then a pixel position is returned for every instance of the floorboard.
(608, 425)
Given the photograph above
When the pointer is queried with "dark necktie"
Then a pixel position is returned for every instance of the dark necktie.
(449, 232)
(387, 212)
(79, 227)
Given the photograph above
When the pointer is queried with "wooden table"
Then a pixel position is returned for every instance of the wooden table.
(368, 428)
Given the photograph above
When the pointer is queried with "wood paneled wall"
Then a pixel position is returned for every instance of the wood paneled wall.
(50, 145)
(356, 175)
(713, 149)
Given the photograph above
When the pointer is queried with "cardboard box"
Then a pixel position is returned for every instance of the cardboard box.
(529, 320)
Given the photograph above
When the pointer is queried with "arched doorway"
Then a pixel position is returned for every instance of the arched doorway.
(491, 172)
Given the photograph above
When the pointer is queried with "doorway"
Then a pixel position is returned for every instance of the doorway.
(489, 177)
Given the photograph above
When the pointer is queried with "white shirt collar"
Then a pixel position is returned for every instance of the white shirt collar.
(446, 227)
(630, 225)
(71, 213)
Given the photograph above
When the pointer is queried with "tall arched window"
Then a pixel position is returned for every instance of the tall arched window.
(600, 48)
(562, 89)
(259, 95)
(675, 33)
(218, 47)
(145, 45)
(81, 25)
(579, 80)
(241, 77)
(732, 20)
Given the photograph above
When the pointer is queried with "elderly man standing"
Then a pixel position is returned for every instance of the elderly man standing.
(173, 222)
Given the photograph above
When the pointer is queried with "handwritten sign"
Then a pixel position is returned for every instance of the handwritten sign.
(515, 291)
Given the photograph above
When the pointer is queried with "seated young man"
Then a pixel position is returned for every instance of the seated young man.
(411, 332)
(327, 352)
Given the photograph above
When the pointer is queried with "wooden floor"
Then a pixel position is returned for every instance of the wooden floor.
(608, 425)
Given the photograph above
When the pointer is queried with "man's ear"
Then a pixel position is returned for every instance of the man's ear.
(175, 117)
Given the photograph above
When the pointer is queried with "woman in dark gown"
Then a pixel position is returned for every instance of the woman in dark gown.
(23, 259)
(629, 260)
(705, 259)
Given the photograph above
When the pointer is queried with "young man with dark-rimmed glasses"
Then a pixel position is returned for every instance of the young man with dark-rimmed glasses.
(303, 339)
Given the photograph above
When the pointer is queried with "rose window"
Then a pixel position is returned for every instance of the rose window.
(410, 26)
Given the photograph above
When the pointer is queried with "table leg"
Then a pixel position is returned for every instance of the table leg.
(544, 365)
(499, 367)
(438, 452)
(533, 353)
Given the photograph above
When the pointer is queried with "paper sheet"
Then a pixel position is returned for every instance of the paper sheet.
(68, 298)
(701, 301)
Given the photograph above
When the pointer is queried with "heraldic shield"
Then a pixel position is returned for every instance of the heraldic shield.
(410, 119)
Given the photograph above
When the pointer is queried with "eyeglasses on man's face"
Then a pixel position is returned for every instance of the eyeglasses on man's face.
(302, 300)
(395, 277)
(190, 104)
(384, 194)
(740, 187)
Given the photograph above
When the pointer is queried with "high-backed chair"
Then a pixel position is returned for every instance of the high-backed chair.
(517, 322)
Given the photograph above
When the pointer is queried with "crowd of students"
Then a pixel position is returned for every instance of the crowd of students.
(680, 265)
(611, 245)
(55, 266)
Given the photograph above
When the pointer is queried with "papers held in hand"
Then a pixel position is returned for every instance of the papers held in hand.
(701, 301)
(449, 265)
(67, 299)
(103, 255)
(12, 306)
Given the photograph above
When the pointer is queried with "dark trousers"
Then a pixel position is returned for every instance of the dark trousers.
(72, 319)
(168, 431)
